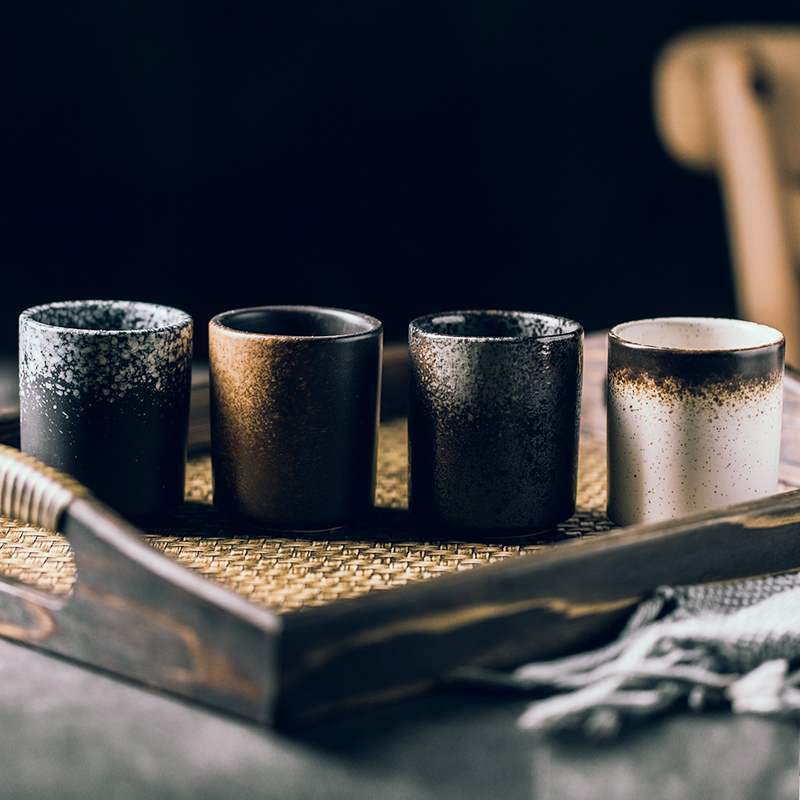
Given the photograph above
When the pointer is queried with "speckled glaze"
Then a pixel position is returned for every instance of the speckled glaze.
(104, 396)
(493, 423)
(294, 414)
(694, 416)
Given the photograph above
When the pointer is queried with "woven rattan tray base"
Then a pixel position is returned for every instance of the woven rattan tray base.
(291, 573)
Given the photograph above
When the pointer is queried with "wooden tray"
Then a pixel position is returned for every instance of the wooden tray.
(292, 628)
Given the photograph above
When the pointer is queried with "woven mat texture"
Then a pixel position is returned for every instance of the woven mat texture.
(287, 574)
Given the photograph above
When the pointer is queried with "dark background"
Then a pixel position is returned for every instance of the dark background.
(394, 157)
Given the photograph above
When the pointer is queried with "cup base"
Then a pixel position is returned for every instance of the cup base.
(254, 526)
(427, 529)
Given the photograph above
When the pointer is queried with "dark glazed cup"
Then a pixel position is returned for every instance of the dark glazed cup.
(493, 423)
(294, 414)
(104, 396)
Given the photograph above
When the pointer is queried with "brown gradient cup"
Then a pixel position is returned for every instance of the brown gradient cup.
(294, 414)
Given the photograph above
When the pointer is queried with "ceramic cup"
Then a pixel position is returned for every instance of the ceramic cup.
(104, 396)
(294, 414)
(694, 415)
(493, 422)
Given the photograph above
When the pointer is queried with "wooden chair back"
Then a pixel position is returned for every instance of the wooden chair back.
(728, 100)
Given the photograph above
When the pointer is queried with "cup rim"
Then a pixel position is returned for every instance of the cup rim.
(616, 334)
(576, 329)
(375, 326)
(28, 318)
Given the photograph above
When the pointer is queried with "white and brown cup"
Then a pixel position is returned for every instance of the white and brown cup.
(694, 415)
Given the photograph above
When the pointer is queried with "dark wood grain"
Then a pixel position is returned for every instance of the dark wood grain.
(138, 614)
(533, 607)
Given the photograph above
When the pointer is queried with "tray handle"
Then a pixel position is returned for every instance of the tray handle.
(32, 492)
(133, 611)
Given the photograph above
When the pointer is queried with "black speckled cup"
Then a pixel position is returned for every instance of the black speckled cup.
(104, 396)
(493, 421)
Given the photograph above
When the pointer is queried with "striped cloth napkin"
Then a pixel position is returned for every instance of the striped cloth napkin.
(726, 644)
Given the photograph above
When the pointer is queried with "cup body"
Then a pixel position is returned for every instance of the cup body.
(694, 416)
(104, 396)
(294, 414)
(493, 420)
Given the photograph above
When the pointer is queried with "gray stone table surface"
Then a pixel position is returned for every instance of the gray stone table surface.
(70, 732)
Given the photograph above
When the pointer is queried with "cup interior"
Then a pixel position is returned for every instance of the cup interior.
(697, 333)
(300, 321)
(495, 325)
(107, 316)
